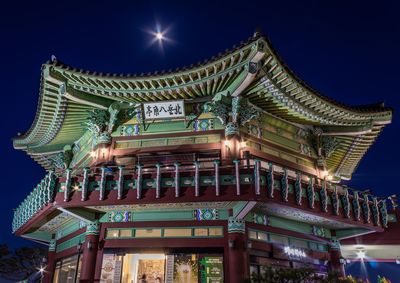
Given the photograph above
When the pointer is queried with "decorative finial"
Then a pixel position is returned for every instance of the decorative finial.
(257, 32)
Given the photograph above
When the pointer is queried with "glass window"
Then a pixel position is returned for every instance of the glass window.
(279, 239)
(112, 233)
(262, 236)
(298, 243)
(322, 248)
(67, 270)
(313, 246)
(201, 232)
(215, 231)
(126, 233)
(177, 232)
(147, 233)
(252, 234)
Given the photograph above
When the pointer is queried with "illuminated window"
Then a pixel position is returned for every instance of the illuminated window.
(279, 239)
(201, 232)
(298, 243)
(112, 233)
(147, 233)
(262, 236)
(126, 233)
(177, 232)
(252, 234)
(215, 231)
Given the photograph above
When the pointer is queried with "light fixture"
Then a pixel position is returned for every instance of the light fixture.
(361, 254)
(329, 177)
(89, 245)
(231, 243)
(41, 269)
(104, 151)
(397, 260)
(93, 154)
(243, 144)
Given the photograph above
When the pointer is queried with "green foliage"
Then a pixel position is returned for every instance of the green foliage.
(21, 263)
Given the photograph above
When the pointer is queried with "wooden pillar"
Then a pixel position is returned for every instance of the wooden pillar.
(51, 262)
(336, 263)
(237, 251)
(89, 254)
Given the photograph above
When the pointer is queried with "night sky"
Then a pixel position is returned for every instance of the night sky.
(348, 50)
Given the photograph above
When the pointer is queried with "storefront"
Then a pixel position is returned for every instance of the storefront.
(159, 267)
(68, 269)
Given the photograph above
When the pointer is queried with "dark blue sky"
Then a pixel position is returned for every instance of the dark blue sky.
(348, 50)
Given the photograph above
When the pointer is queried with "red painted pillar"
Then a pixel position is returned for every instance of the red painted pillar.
(237, 251)
(336, 260)
(51, 262)
(89, 254)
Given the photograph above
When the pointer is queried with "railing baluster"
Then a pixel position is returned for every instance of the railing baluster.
(196, 179)
(158, 180)
(237, 176)
(216, 170)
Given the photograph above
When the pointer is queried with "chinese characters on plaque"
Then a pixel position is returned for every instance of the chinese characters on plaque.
(164, 110)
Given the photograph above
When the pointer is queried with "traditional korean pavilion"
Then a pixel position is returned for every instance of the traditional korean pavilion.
(207, 173)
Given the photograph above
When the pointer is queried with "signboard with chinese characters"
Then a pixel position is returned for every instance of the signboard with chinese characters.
(164, 110)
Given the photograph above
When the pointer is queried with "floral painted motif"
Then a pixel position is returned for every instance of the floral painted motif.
(260, 219)
(236, 225)
(319, 231)
(206, 214)
(119, 216)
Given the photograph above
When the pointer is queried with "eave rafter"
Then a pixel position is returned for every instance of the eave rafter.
(252, 70)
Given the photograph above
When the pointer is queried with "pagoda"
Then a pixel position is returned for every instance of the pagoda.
(208, 173)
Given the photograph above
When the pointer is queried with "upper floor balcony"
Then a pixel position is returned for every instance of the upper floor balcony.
(275, 188)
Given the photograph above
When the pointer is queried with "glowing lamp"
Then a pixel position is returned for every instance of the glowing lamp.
(361, 254)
